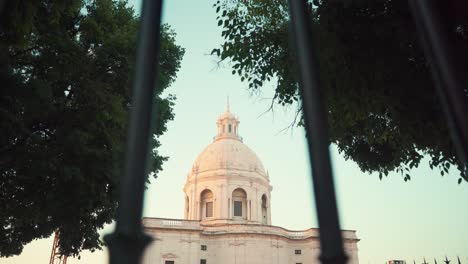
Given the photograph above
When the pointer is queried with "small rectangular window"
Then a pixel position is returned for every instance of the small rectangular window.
(203, 247)
(169, 262)
(209, 209)
(297, 252)
(237, 208)
(229, 128)
(202, 261)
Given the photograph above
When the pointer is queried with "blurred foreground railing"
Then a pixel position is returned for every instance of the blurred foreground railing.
(127, 242)
(316, 126)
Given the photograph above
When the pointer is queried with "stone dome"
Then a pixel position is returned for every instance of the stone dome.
(231, 154)
(227, 182)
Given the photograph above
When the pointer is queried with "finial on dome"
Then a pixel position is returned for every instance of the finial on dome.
(227, 105)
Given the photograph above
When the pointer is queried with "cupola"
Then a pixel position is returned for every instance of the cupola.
(228, 125)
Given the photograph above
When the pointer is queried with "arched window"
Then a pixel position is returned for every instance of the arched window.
(239, 203)
(206, 204)
(229, 128)
(264, 210)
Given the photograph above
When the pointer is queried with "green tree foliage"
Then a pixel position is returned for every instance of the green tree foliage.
(383, 110)
(65, 78)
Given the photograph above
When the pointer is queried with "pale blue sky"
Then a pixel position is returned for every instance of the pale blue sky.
(427, 216)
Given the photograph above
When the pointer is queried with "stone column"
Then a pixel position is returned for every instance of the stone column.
(247, 207)
(255, 206)
(269, 210)
(225, 202)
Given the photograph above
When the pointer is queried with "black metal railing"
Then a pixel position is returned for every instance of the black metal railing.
(316, 126)
(127, 242)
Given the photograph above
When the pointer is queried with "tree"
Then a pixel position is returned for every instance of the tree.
(383, 110)
(65, 79)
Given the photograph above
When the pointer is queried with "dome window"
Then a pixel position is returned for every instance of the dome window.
(206, 204)
(264, 210)
(239, 203)
(209, 209)
(238, 208)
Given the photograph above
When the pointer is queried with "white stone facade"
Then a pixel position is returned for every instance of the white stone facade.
(181, 241)
(228, 213)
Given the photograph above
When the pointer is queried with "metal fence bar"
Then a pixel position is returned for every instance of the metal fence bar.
(127, 242)
(2, 5)
(449, 85)
(316, 125)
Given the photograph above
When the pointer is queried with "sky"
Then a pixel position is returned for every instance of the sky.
(426, 217)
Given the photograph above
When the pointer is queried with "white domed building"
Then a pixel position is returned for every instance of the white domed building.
(227, 216)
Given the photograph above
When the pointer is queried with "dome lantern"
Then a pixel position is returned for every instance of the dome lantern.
(228, 125)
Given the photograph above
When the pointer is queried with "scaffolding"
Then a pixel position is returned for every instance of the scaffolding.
(56, 256)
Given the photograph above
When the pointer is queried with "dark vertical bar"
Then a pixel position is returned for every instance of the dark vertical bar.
(2, 4)
(127, 242)
(315, 119)
(435, 41)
